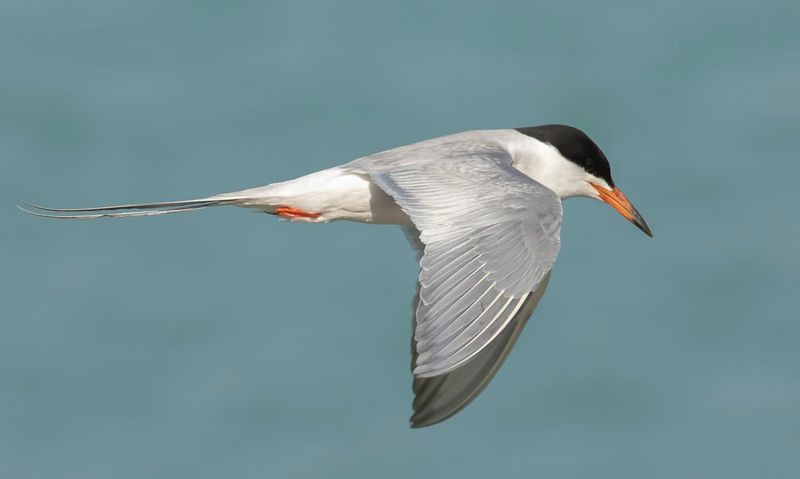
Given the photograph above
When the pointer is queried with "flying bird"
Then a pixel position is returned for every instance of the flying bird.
(483, 211)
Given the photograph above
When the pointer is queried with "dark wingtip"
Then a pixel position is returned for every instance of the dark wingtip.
(418, 421)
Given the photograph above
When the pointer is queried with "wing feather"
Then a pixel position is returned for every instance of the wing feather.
(440, 397)
(489, 236)
(482, 222)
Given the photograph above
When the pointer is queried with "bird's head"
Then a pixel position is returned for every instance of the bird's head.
(571, 164)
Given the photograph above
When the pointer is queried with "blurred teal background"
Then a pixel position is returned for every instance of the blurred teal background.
(227, 344)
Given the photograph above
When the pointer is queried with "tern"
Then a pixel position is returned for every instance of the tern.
(483, 211)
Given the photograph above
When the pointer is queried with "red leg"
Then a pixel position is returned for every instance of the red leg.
(290, 213)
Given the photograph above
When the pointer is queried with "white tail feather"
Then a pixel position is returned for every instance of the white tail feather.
(118, 211)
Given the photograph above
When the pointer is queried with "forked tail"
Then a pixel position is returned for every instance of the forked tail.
(136, 209)
(300, 199)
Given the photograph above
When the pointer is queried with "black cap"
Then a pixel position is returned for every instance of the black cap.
(574, 145)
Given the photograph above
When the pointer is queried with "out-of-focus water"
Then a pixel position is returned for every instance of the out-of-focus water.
(227, 344)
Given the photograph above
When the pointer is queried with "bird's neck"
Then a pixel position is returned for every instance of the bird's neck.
(544, 163)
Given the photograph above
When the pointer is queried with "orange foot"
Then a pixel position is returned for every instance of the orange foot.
(291, 213)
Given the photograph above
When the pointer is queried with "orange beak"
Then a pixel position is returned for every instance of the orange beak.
(619, 202)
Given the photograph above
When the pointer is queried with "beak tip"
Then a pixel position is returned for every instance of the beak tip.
(619, 202)
(643, 226)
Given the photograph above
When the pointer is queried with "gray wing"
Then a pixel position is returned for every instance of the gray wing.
(490, 237)
(440, 397)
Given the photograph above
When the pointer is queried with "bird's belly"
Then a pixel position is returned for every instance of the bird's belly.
(335, 194)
